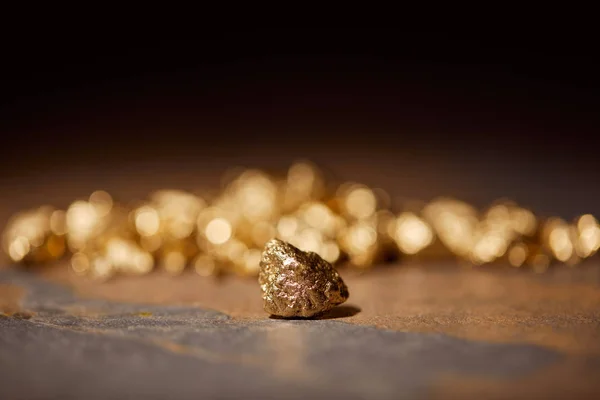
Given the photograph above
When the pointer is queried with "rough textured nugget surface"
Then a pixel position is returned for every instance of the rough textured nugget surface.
(295, 283)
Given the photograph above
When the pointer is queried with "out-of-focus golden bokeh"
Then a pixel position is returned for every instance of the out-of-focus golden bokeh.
(347, 224)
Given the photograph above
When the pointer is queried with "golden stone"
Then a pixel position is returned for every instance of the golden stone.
(295, 283)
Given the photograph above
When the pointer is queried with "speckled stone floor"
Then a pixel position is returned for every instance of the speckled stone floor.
(411, 332)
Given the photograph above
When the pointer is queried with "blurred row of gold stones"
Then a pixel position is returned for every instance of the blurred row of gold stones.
(350, 224)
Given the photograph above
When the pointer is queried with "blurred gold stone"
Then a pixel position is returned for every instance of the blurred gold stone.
(174, 262)
(80, 263)
(251, 262)
(454, 223)
(255, 195)
(101, 268)
(517, 255)
(411, 233)
(295, 283)
(357, 201)
(177, 212)
(588, 236)
(304, 183)
(91, 224)
(360, 242)
(540, 263)
(205, 265)
(29, 237)
(127, 257)
(559, 239)
(224, 231)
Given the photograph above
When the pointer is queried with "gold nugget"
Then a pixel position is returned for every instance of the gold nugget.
(295, 283)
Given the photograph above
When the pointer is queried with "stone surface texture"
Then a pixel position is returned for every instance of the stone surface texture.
(55, 343)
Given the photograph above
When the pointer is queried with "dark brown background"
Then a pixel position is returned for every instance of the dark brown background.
(421, 114)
